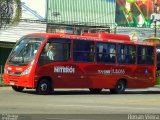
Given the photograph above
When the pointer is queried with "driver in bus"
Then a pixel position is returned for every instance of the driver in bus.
(51, 52)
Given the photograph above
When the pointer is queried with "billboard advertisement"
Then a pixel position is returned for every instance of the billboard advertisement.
(137, 13)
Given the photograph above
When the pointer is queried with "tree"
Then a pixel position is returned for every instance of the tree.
(10, 12)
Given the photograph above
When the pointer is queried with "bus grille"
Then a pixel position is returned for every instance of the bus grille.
(14, 74)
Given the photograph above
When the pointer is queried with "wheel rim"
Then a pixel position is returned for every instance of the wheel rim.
(120, 87)
(44, 87)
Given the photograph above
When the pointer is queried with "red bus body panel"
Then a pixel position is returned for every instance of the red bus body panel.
(86, 75)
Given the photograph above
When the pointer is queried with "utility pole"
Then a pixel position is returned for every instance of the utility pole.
(155, 18)
(115, 28)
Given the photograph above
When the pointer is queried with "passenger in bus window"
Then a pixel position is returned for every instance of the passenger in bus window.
(51, 52)
(112, 53)
(133, 59)
(126, 54)
(144, 55)
(100, 51)
(132, 52)
(91, 54)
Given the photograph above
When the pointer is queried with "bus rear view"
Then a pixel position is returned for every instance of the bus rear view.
(95, 61)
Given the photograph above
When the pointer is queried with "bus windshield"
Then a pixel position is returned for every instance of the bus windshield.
(25, 50)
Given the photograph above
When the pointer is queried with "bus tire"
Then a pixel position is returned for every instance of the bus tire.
(17, 88)
(119, 88)
(44, 87)
(95, 90)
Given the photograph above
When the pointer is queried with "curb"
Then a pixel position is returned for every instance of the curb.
(3, 85)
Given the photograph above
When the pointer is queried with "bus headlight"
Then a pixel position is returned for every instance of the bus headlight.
(27, 71)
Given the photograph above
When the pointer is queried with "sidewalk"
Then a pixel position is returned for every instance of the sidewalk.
(1, 76)
(1, 83)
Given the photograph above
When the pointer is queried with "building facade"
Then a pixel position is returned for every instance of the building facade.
(80, 15)
(122, 16)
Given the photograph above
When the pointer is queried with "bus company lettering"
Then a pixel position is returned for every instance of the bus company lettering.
(117, 71)
(64, 69)
(104, 71)
(112, 71)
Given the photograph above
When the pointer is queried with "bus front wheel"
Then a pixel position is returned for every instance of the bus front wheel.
(44, 87)
(119, 88)
(17, 89)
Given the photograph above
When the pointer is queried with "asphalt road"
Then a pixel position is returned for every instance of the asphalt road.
(78, 102)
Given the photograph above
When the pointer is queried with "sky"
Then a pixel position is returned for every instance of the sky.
(39, 6)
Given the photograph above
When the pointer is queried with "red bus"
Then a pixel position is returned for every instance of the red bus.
(44, 61)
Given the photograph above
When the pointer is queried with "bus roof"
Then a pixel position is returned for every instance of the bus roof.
(106, 35)
(103, 37)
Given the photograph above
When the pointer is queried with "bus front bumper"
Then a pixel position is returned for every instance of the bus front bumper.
(22, 81)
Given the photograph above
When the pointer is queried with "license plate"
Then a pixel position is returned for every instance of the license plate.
(12, 83)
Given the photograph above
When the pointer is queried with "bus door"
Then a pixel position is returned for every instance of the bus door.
(83, 57)
(105, 64)
(127, 63)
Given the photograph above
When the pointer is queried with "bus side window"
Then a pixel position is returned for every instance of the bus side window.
(158, 56)
(121, 56)
(126, 54)
(55, 51)
(100, 52)
(149, 55)
(83, 51)
(105, 53)
(132, 54)
(141, 54)
(112, 53)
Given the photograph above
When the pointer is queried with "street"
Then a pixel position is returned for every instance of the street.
(72, 101)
